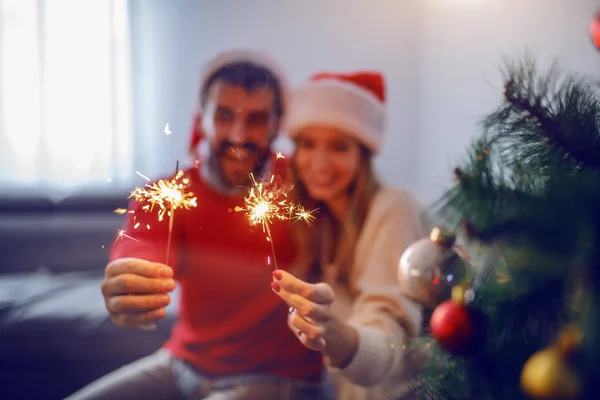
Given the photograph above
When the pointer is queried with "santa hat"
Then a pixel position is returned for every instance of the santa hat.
(354, 103)
(226, 59)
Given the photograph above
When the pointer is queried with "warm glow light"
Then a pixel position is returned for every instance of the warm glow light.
(595, 30)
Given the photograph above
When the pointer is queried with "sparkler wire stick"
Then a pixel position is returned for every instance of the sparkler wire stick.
(272, 246)
(171, 216)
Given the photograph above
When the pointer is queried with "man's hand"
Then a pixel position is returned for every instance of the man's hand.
(136, 291)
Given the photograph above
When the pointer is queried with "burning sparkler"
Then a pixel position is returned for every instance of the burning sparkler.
(263, 206)
(167, 196)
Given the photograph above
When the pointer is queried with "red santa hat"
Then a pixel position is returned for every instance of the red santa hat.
(352, 102)
(228, 58)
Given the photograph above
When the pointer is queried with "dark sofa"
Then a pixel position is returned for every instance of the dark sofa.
(55, 334)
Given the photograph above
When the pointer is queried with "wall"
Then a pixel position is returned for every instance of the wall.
(463, 43)
(173, 38)
(441, 58)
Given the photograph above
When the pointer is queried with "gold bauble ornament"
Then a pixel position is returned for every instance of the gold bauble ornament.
(546, 375)
(442, 237)
(462, 293)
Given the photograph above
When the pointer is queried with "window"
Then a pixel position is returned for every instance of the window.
(65, 97)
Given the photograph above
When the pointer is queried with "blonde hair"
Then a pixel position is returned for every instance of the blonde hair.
(329, 241)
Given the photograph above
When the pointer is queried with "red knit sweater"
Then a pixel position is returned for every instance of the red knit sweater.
(229, 320)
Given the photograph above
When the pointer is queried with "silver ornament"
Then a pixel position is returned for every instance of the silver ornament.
(429, 268)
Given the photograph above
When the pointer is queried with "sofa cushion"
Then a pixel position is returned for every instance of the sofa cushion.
(93, 203)
(62, 243)
(63, 315)
(13, 204)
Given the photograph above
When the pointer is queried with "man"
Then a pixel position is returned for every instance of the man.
(230, 341)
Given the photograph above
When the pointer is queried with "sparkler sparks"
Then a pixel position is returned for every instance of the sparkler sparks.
(142, 175)
(121, 234)
(299, 213)
(165, 195)
(264, 205)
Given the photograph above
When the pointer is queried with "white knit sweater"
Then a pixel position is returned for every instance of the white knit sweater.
(382, 316)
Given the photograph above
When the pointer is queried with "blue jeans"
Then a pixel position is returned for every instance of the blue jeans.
(163, 377)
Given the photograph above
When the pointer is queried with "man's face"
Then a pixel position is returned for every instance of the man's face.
(240, 126)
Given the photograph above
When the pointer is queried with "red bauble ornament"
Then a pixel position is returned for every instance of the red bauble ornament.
(459, 329)
(595, 30)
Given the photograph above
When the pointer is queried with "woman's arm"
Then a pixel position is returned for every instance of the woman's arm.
(382, 319)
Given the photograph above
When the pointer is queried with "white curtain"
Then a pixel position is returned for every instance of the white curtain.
(65, 97)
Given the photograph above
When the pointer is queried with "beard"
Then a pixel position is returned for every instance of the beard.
(244, 151)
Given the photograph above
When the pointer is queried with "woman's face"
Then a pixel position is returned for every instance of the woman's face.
(327, 161)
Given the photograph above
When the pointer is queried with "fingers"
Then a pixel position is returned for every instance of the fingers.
(312, 331)
(137, 310)
(137, 320)
(136, 303)
(312, 301)
(135, 284)
(320, 293)
(309, 334)
(149, 327)
(135, 291)
(137, 266)
(306, 308)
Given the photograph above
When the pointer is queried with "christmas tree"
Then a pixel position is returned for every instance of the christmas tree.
(523, 322)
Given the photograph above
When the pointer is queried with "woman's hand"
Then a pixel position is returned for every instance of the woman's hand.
(310, 308)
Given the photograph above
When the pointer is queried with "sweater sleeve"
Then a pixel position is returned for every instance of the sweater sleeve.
(145, 237)
(382, 316)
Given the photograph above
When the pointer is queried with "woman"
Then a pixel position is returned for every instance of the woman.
(356, 316)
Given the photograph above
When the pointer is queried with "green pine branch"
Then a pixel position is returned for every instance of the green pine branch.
(547, 120)
(528, 195)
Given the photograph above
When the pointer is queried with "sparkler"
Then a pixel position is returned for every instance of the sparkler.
(263, 206)
(167, 196)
